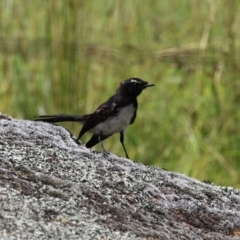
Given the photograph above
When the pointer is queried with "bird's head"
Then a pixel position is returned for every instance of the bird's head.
(134, 86)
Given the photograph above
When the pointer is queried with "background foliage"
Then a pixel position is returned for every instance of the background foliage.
(69, 56)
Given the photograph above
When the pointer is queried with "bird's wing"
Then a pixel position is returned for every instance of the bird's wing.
(94, 140)
(104, 111)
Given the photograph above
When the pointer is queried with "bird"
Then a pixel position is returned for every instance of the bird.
(111, 117)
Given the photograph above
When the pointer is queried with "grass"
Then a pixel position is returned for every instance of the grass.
(69, 56)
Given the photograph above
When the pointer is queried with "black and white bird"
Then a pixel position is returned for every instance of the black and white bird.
(111, 117)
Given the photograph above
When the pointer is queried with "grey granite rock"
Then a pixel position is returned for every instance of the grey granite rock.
(53, 188)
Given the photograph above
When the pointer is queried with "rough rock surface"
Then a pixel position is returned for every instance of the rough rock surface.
(53, 188)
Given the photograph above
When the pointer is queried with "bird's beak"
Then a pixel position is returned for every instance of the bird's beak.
(148, 85)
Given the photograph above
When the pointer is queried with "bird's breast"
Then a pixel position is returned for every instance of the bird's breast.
(115, 123)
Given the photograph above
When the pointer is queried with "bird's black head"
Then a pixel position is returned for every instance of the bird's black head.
(134, 86)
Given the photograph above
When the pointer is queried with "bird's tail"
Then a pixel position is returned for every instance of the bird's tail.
(62, 118)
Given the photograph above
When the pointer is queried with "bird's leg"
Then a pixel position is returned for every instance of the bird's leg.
(79, 136)
(122, 142)
(104, 152)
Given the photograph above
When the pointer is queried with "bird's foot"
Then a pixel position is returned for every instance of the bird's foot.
(105, 153)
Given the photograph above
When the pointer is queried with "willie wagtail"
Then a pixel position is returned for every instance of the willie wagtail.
(111, 117)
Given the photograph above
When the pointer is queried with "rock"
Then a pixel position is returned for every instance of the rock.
(51, 187)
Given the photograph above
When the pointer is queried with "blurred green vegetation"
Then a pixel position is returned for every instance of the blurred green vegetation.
(69, 56)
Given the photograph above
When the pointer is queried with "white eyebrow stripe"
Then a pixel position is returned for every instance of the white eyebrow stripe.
(133, 80)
